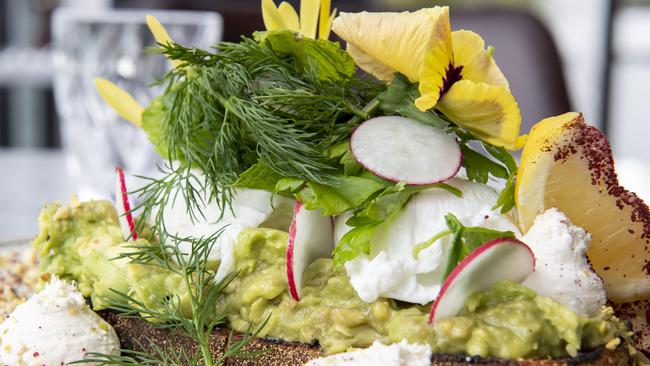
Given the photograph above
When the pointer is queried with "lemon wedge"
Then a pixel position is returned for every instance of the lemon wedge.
(568, 164)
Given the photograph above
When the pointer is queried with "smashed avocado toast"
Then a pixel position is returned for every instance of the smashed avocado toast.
(357, 205)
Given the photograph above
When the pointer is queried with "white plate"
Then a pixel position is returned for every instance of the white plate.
(14, 245)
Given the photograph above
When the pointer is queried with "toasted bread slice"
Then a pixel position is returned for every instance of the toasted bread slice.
(136, 334)
(637, 314)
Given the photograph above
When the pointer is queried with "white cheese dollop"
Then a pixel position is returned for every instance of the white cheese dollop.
(55, 327)
(398, 354)
(562, 271)
(248, 208)
(390, 269)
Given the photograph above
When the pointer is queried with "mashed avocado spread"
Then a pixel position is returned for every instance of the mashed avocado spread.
(510, 321)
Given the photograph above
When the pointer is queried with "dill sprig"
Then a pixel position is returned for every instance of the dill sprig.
(228, 108)
(199, 286)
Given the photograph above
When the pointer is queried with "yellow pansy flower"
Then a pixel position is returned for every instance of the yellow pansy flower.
(456, 74)
(314, 17)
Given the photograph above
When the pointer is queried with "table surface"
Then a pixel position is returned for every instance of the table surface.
(31, 178)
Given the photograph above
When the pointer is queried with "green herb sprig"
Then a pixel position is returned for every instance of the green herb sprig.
(465, 239)
(281, 100)
(192, 309)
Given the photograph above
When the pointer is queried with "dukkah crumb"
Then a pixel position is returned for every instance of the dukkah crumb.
(19, 276)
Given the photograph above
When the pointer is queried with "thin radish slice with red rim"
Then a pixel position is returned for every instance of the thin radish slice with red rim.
(403, 150)
(311, 236)
(497, 260)
(127, 224)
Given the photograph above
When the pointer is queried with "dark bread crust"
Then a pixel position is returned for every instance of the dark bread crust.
(133, 334)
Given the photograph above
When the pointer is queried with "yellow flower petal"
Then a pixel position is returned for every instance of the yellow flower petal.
(437, 63)
(326, 28)
(489, 112)
(397, 41)
(121, 101)
(309, 17)
(478, 65)
(271, 16)
(369, 64)
(324, 21)
(289, 16)
(521, 141)
(160, 34)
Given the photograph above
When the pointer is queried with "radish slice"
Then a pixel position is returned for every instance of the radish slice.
(403, 150)
(497, 260)
(124, 206)
(311, 236)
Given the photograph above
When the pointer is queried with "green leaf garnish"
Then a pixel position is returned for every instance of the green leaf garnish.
(375, 211)
(289, 186)
(258, 176)
(284, 103)
(466, 240)
(353, 243)
(345, 194)
(506, 200)
(350, 165)
(425, 244)
(399, 98)
(153, 121)
(479, 167)
(327, 58)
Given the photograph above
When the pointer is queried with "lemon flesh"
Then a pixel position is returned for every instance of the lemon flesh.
(568, 165)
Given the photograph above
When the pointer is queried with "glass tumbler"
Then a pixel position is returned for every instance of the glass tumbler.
(111, 44)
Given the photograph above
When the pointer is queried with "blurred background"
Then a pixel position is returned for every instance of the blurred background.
(591, 56)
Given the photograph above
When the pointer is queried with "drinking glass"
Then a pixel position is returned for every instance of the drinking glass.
(111, 44)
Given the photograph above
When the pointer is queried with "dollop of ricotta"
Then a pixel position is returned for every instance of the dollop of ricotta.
(248, 208)
(55, 327)
(397, 354)
(391, 271)
(562, 271)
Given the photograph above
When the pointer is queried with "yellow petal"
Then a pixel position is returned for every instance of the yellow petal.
(327, 28)
(489, 112)
(369, 64)
(478, 65)
(324, 22)
(160, 34)
(521, 141)
(437, 63)
(271, 16)
(289, 16)
(397, 41)
(309, 17)
(121, 101)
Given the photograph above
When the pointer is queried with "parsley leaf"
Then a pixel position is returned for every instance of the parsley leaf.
(353, 243)
(478, 167)
(330, 60)
(377, 210)
(399, 98)
(506, 200)
(345, 194)
(350, 165)
(467, 239)
(258, 176)
(153, 121)
(392, 199)
(502, 155)
(289, 185)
